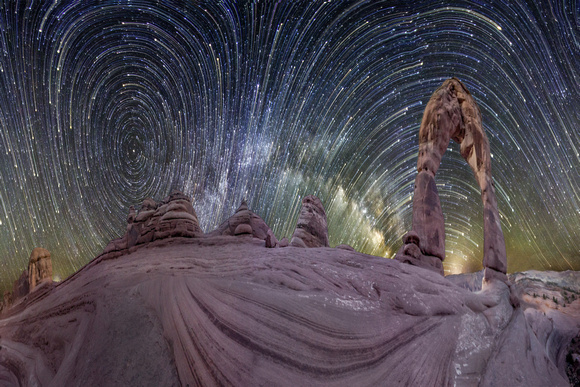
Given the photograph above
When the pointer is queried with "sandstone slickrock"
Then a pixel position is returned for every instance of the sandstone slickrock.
(573, 361)
(550, 305)
(311, 228)
(452, 113)
(225, 310)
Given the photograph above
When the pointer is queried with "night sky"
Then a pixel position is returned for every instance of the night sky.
(106, 103)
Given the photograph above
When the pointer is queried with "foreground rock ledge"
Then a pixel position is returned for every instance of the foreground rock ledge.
(226, 310)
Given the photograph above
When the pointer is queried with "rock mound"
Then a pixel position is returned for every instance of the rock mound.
(245, 222)
(174, 216)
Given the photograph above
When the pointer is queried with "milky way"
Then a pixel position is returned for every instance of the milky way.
(104, 104)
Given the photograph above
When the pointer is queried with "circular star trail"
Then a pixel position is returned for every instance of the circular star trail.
(103, 104)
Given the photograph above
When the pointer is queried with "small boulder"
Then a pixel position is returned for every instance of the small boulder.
(271, 240)
(411, 237)
(283, 242)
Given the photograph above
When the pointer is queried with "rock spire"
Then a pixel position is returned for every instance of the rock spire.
(311, 228)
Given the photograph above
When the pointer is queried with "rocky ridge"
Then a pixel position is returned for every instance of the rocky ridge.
(285, 316)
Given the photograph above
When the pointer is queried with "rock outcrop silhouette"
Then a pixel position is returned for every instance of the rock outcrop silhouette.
(452, 114)
(39, 272)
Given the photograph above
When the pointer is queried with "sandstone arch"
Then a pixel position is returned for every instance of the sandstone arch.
(452, 113)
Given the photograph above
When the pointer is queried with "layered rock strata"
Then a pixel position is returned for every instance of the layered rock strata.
(246, 222)
(174, 216)
(311, 228)
(452, 114)
(39, 272)
(39, 267)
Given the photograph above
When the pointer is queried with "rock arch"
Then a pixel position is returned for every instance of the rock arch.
(452, 114)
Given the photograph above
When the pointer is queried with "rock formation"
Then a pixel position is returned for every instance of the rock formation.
(174, 216)
(452, 114)
(39, 272)
(39, 267)
(551, 306)
(225, 310)
(21, 286)
(221, 309)
(311, 228)
(245, 222)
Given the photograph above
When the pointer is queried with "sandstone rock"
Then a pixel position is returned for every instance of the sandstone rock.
(573, 361)
(116, 245)
(7, 300)
(284, 242)
(452, 113)
(311, 228)
(39, 267)
(470, 281)
(243, 221)
(148, 205)
(428, 221)
(411, 238)
(243, 229)
(21, 286)
(225, 310)
(411, 253)
(173, 217)
(271, 240)
(345, 247)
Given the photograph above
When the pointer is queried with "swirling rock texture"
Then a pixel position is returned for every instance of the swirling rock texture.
(549, 301)
(452, 114)
(225, 310)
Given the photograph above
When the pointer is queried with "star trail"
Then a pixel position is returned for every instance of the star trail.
(103, 104)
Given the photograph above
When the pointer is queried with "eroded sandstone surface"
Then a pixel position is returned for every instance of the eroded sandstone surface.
(227, 310)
